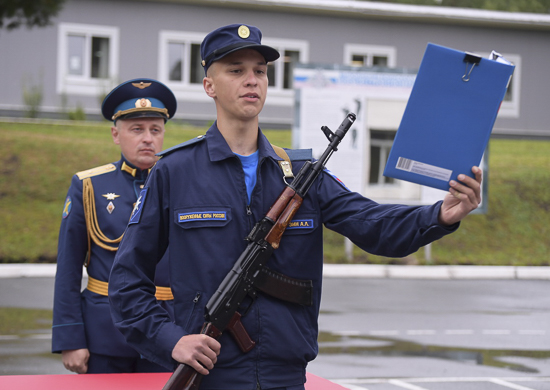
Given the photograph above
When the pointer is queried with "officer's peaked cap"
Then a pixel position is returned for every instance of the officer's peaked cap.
(228, 39)
(145, 98)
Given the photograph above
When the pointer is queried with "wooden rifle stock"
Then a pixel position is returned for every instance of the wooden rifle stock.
(290, 202)
(183, 378)
(186, 377)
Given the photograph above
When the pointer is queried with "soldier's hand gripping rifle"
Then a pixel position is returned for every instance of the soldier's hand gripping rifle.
(222, 310)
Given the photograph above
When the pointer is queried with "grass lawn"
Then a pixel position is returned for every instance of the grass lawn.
(37, 162)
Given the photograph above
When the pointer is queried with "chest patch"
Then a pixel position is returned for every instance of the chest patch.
(194, 216)
(301, 224)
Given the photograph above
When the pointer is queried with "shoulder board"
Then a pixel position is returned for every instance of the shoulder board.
(182, 145)
(299, 154)
(96, 171)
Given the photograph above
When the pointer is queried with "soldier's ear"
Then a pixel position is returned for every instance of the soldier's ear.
(208, 85)
(114, 134)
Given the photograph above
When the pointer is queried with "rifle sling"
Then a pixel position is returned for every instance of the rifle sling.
(286, 164)
(284, 287)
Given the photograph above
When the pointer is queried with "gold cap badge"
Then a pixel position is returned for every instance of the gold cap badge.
(141, 85)
(143, 103)
(244, 32)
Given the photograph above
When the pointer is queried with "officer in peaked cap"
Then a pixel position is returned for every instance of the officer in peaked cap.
(206, 194)
(146, 98)
(97, 208)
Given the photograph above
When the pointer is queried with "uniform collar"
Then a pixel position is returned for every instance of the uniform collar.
(219, 150)
(127, 167)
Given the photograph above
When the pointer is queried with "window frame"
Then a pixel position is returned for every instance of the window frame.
(510, 108)
(369, 51)
(85, 84)
(183, 90)
(385, 146)
(283, 45)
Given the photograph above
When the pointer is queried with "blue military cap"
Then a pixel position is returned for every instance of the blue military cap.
(228, 39)
(139, 98)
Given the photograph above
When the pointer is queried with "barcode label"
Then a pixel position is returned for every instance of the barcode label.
(404, 164)
(423, 169)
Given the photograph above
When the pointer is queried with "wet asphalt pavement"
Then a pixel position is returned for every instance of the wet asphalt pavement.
(380, 333)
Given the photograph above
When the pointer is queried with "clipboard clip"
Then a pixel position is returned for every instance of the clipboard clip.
(471, 61)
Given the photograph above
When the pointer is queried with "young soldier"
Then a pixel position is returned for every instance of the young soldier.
(204, 197)
(96, 212)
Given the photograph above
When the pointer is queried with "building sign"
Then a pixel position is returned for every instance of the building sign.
(325, 95)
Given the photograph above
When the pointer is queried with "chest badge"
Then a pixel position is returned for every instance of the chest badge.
(110, 196)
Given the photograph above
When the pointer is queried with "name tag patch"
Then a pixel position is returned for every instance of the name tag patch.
(301, 224)
(202, 216)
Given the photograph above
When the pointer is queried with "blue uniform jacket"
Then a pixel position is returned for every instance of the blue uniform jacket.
(83, 319)
(195, 202)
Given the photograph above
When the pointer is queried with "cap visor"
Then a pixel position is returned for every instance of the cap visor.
(143, 114)
(269, 53)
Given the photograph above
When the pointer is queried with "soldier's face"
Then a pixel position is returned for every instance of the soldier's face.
(139, 139)
(238, 85)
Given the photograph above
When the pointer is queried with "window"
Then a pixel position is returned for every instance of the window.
(180, 58)
(380, 146)
(87, 58)
(280, 72)
(369, 55)
(177, 53)
(510, 104)
(180, 66)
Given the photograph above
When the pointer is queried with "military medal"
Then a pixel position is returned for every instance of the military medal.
(110, 196)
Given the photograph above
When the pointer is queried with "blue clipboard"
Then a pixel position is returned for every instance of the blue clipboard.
(449, 116)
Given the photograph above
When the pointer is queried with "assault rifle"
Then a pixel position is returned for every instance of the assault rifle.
(222, 310)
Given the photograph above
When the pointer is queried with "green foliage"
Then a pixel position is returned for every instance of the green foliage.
(14, 13)
(38, 161)
(32, 97)
(77, 114)
(535, 6)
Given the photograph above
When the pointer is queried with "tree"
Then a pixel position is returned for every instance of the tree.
(14, 13)
(536, 6)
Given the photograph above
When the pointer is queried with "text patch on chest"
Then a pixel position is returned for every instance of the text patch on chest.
(301, 224)
(202, 216)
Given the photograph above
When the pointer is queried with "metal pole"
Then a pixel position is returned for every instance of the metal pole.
(428, 253)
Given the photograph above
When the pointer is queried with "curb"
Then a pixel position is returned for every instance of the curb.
(435, 271)
(372, 271)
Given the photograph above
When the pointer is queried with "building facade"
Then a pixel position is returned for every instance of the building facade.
(93, 45)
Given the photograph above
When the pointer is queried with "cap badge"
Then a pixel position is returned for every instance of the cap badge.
(143, 103)
(141, 85)
(244, 32)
